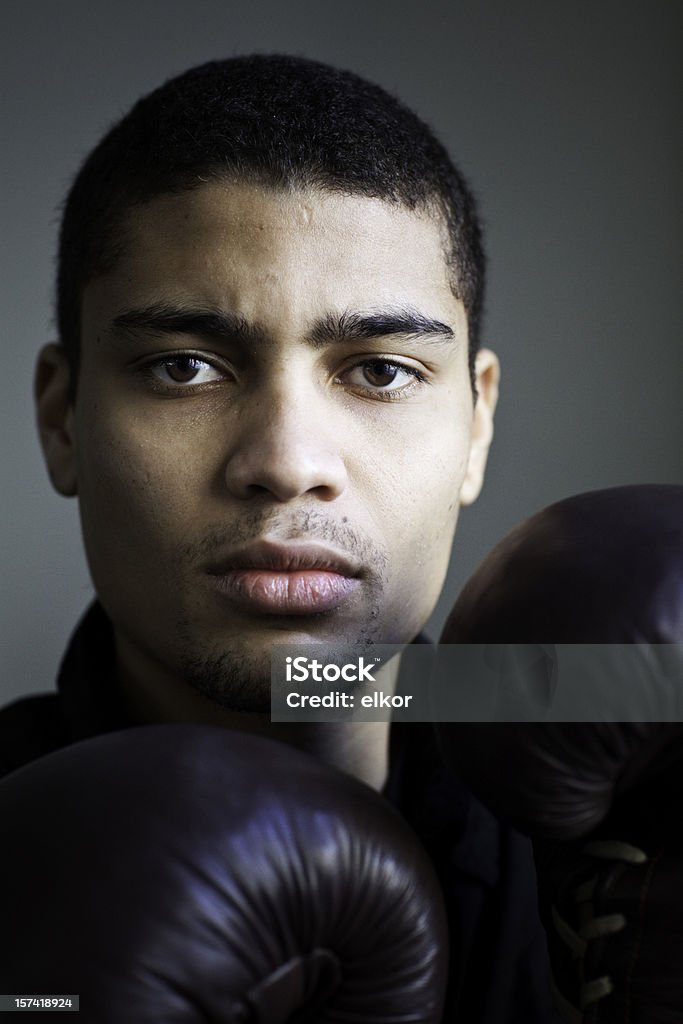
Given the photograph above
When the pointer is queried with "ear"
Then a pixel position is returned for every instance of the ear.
(487, 376)
(55, 414)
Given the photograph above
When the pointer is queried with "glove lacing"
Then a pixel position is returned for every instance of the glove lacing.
(592, 927)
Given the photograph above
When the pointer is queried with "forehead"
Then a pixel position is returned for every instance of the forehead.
(255, 249)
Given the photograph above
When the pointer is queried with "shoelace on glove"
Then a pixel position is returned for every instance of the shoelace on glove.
(591, 927)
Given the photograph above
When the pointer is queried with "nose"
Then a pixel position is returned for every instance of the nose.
(285, 447)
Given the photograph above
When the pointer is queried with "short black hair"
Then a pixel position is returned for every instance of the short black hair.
(278, 120)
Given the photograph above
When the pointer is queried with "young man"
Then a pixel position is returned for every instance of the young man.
(269, 398)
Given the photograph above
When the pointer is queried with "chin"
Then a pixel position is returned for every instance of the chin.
(234, 679)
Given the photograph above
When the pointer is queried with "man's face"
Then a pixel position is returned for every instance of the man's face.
(273, 430)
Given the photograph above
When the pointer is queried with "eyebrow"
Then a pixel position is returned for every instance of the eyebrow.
(377, 324)
(205, 323)
(223, 325)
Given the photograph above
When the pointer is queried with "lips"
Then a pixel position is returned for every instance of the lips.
(287, 579)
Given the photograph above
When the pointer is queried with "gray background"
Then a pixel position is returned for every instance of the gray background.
(565, 115)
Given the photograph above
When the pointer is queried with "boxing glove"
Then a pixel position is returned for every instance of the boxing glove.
(602, 800)
(181, 873)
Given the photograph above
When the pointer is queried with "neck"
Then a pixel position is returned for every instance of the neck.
(357, 748)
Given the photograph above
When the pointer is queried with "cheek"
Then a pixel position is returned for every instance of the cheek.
(417, 483)
(135, 484)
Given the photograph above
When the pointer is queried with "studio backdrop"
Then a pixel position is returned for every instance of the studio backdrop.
(565, 118)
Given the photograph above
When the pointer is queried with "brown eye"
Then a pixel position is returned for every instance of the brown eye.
(380, 374)
(183, 369)
(382, 377)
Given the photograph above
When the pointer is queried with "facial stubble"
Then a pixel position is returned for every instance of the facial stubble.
(239, 680)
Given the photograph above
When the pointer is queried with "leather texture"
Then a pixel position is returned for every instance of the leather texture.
(601, 800)
(183, 873)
